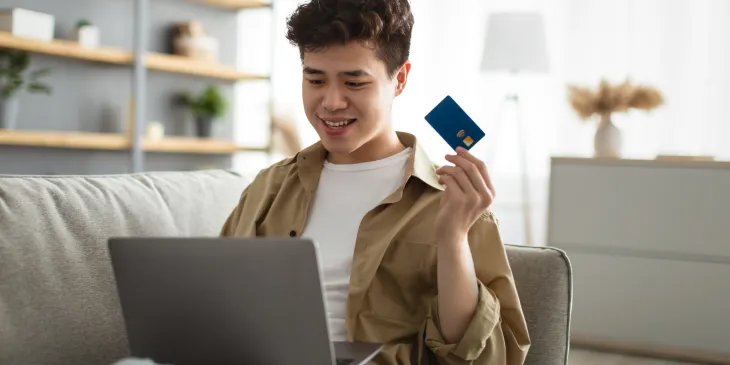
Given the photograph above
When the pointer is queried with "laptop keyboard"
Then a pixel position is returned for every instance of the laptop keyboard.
(343, 361)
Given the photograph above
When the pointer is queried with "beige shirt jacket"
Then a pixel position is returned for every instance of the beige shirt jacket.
(393, 287)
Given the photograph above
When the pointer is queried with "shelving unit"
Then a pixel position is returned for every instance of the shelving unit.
(141, 61)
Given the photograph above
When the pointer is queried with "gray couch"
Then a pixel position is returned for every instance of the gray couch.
(58, 301)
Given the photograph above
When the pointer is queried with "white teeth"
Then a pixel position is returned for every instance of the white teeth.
(338, 124)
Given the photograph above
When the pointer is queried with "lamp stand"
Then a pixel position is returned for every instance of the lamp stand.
(513, 99)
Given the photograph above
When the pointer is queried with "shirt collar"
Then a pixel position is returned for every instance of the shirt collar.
(311, 160)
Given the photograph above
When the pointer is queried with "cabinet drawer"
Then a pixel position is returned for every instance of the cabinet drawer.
(679, 210)
(662, 303)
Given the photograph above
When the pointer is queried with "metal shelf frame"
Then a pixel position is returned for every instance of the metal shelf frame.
(140, 80)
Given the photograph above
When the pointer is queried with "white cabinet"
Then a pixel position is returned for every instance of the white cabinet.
(650, 246)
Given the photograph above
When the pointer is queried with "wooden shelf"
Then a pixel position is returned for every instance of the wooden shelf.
(74, 140)
(183, 65)
(117, 142)
(194, 145)
(64, 48)
(153, 61)
(236, 4)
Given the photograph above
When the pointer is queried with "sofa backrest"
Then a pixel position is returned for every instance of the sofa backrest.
(57, 296)
(544, 281)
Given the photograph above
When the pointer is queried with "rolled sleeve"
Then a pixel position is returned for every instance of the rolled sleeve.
(497, 333)
(478, 333)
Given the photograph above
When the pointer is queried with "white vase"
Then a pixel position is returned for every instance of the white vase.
(87, 36)
(607, 141)
(9, 112)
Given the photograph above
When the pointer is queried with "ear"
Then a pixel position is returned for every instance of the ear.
(401, 78)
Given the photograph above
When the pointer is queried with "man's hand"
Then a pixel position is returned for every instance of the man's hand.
(468, 194)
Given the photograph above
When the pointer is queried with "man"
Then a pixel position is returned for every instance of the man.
(398, 237)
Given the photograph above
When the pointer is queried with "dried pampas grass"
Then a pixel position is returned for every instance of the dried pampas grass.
(611, 98)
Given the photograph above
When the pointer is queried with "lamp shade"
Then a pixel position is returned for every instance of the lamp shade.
(515, 42)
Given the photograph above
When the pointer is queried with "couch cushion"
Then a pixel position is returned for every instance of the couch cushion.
(58, 302)
(544, 282)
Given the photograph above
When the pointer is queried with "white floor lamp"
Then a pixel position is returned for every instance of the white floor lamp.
(515, 44)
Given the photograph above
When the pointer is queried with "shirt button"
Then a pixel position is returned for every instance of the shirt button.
(293, 234)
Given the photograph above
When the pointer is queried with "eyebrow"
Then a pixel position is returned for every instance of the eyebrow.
(353, 73)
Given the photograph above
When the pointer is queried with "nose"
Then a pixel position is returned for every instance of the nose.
(334, 99)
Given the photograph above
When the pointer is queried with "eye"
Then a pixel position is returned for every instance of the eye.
(316, 82)
(356, 84)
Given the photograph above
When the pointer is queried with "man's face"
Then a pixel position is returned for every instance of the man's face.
(348, 96)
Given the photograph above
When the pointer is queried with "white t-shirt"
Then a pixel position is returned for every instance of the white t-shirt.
(344, 195)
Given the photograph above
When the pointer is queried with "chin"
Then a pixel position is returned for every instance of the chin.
(339, 145)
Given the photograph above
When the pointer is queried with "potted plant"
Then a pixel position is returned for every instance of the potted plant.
(86, 34)
(605, 101)
(206, 107)
(13, 67)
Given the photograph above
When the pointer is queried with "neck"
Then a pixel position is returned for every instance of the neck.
(378, 148)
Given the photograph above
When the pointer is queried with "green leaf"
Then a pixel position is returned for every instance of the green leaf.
(37, 87)
(13, 65)
(35, 75)
(83, 23)
(19, 61)
(209, 103)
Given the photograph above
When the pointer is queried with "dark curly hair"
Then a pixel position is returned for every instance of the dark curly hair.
(386, 24)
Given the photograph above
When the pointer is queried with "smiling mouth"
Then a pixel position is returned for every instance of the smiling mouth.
(338, 123)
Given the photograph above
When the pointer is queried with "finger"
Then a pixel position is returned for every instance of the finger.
(481, 166)
(451, 184)
(461, 178)
(473, 173)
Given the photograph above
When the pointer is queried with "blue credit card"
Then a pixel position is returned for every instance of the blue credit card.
(454, 125)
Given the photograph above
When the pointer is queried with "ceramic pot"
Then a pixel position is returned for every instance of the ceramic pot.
(204, 125)
(87, 36)
(8, 112)
(607, 141)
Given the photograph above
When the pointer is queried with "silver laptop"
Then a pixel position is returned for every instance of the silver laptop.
(227, 301)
